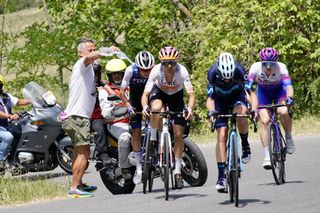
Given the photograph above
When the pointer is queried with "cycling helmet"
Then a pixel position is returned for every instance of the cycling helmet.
(144, 60)
(115, 65)
(168, 53)
(226, 65)
(268, 54)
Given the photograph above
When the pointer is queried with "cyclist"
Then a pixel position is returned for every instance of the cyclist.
(226, 92)
(115, 113)
(136, 77)
(273, 84)
(165, 86)
(7, 101)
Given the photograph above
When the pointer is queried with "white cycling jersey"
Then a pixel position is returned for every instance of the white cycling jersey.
(278, 77)
(157, 77)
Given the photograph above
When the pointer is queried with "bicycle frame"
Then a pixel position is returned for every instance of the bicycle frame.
(165, 133)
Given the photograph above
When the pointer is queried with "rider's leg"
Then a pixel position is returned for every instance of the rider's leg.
(265, 118)
(6, 139)
(156, 106)
(221, 157)
(100, 140)
(243, 128)
(286, 123)
(136, 146)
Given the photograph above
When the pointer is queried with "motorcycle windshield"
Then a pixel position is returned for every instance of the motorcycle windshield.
(38, 95)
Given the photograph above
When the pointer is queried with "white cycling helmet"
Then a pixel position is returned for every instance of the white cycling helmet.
(226, 65)
(144, 60)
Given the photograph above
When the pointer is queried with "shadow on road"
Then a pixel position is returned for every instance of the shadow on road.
(245, 202)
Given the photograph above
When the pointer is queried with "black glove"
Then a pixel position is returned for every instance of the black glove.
(289, 101)
(213, 114)
(254, 115)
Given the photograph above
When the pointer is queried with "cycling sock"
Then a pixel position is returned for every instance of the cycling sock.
(288, 136)
(137, 157)
(221, 167)
(266, 152)
(177, 169)
(153, 136)
(244, 142)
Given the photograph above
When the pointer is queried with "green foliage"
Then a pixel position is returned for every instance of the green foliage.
(292, 27)
(16, 5)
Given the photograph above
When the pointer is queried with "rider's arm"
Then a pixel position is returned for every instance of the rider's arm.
(149, 85)
(22, 102)
(286, 80)
(210, 104)
(252, 99)
(124, 85)
(4, 115)
(105, 105)
(189, 87)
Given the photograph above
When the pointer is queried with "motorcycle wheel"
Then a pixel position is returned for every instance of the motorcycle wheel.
(119, 186)
(194, 170)
(64, 162)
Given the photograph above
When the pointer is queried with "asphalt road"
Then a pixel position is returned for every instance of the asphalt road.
(258, 191)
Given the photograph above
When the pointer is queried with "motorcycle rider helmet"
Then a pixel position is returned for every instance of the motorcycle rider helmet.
(168, 53)
(144, 60)
(115, 66)
(269, 54)
(226, 65)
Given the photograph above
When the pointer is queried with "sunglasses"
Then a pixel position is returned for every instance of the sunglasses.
(269, 64)
(145, 70)
(167, 63)
(92, 50)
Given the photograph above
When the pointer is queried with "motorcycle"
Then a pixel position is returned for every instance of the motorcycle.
(37, 134)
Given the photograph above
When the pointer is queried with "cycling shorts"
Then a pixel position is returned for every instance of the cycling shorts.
(174, 102)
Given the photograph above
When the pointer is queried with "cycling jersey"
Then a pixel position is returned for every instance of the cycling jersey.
(226, 94)
(278, 78)
(181, 77)
(270, 88)
(136, 83)
(219, 88)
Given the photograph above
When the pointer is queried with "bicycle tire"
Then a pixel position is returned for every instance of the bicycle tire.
(275, 153)
(166, 164)
(283, 159)
(146, 163)
(230, 173)
(236, 171)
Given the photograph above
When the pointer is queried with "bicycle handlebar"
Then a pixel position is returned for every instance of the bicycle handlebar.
(236, 116)
(273, 106)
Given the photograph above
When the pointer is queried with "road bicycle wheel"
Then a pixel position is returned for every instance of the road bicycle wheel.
(236, 170)
(166, 165)
(275, 152)
(146, 163)
(283, 159)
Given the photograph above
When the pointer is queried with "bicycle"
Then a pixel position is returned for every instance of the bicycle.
(150, 160)
(234, 165)
(276, 144)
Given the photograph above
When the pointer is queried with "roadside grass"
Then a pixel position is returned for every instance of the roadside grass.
(14, 191)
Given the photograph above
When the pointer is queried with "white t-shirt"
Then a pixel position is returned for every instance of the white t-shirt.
(180, 79)
(14, 101)
(82, 90)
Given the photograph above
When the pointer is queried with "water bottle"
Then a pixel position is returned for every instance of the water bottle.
(106, 51)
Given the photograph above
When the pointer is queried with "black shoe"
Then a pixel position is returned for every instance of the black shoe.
(178, 181)
(126, 173)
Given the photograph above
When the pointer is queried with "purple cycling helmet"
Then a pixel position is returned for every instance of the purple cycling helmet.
(268, 54)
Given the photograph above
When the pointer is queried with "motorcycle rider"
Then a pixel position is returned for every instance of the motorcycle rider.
(7, 101)
(115, 112)
(136, 77)
(97, 122)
